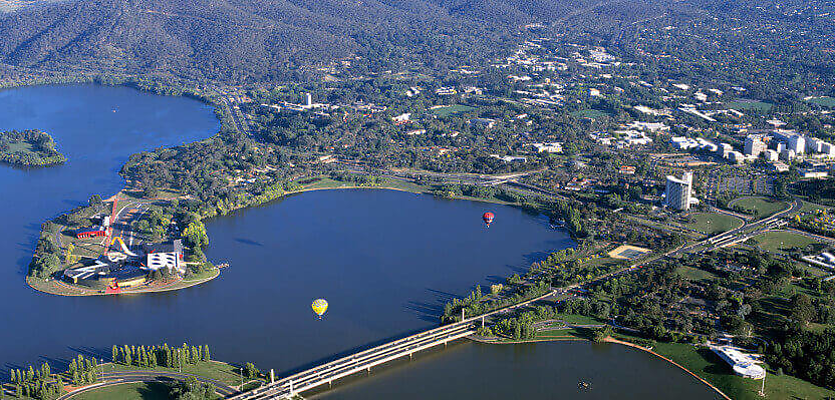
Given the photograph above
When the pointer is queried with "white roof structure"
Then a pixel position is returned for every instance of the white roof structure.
(742, 364)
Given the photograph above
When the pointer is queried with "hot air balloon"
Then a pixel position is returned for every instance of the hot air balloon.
(319, 307)
(488, 218)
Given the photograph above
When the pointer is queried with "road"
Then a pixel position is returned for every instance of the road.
(233, 111)
(117, 378)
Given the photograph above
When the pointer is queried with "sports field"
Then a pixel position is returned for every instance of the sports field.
(627, 252)
(446, 111)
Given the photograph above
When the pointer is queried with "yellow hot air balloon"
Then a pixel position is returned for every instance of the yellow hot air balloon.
(319, 307)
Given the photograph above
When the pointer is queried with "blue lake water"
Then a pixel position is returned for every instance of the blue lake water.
(386, 261)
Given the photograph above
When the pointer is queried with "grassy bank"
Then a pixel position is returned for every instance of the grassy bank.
(128, 391)
(219, 371)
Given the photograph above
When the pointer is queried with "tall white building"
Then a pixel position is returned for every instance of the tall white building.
(678, 191)
(813, 145)
(754, 146)
(798, 144)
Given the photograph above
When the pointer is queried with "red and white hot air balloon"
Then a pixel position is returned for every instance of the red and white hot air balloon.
(488, 218)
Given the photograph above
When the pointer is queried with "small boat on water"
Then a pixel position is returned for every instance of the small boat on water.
(583, 385)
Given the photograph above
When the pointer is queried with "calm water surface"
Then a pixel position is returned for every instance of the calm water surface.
(386, 262)
(531, 371)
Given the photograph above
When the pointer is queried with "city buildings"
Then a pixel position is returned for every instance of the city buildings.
(553, 147)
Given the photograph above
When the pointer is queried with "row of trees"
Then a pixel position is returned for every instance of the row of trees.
(163, 356)
(41, 384)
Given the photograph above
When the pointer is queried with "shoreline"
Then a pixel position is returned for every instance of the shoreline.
(44, 288)
(163, 289)
(693, 374)
(610, 340)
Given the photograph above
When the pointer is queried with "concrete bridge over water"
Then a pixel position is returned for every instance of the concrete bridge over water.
(328, 373)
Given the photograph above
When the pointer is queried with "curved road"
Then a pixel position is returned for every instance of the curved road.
(117, 378)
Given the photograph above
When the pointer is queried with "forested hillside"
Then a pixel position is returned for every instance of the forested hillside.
(272, 39)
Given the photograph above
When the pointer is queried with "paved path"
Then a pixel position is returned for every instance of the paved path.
(117, 378)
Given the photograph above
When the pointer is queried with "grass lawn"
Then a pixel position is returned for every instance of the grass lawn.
(323, 183)
(575, 319)
(128, 391)
(590, 113)
(565, 333)
(774, 241)
(328, 183)
(750, 105)
(22, 146)
(762, 205)
(607, 262)
(207, 273)
(807, 207)
(695, 274)
(712, 223)
(446, 111)
(218, 371)
(823, 101)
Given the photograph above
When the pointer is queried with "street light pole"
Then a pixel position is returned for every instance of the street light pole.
(762, 390)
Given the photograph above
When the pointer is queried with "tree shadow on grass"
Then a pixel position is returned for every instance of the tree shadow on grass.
(154, 391)
(717, 366)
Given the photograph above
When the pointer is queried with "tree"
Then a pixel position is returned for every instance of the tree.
(801, 308)
(115, 354)
(70, 258)
(195, 234)
(95, 200)
(250, 371)
(600, 334)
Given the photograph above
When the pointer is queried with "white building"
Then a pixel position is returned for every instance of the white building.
(736, 157)
(510, 159)
(813, 145)
(652, 127)
(798, 144)
(787, 155)
(678, 191)
(725, 149)
(754, 146)
(779, 147)
(171, 260)
(771, 155)
(742, 364)
(553, 147)
(402, 118)
(779, 166)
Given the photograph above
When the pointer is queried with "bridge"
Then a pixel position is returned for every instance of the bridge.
(285, 388)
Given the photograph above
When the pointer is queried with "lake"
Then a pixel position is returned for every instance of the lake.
(386, 261)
